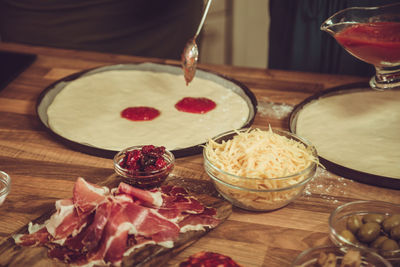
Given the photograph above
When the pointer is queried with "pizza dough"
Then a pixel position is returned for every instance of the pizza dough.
(88, 109)
(358, 130)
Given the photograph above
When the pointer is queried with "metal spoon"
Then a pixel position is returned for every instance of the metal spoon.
(190, 53)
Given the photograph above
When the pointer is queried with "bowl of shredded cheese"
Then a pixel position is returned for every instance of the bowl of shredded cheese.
(260, 169)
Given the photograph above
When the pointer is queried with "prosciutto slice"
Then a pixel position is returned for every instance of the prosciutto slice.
(114, 239)
(87, 197)
(65, 221)
(147, 222)
(178, 198)
(146, 198)
(34, 239)
(98, 226)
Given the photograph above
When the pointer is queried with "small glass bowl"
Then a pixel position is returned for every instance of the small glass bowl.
(338, 222)
(5, 186)
(144, 179)
(309, 257)
(252, 193)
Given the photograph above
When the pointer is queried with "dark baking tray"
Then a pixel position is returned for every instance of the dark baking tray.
(340, 170)
(48, 94)
(12, 64)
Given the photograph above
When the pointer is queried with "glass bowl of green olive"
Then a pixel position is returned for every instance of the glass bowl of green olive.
(333, 256)
(372, 225)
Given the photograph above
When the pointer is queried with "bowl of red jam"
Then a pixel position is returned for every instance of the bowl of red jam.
(144, 166)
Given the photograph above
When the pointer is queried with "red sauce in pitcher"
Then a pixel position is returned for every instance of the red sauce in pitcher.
(140, 113)
(199, 105)
(377, 43)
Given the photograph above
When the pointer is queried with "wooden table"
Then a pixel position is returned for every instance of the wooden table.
(44, 170)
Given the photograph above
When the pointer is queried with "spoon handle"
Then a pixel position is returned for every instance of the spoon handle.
(203, 18)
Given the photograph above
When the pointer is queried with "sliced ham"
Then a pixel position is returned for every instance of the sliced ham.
(88, 239)
(172, 190)
(87, 197)
(199, 221)
(183, 203)
(114, 240)
(97, 227)
(147, 222)
(65, 254)
(147, 198)
(65, 221)
(175, 197)
(37, 238)
(94, 232)
(133, 219)
(177, 203)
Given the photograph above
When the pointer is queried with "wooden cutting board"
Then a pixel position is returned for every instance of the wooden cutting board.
(149, 255)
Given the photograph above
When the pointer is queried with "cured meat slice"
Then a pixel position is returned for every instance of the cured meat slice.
(97, 228)
(171, 190)
(65, 221)
(199, 221)
(87, 197)
(183, 203)
(137, 241)
(150, 198)
(177, 203)
(94, 232)
(208, 259)
(34, 239)
(64, 254)
(115, 237)
(148, 222)
(88, 239)
(133, 219)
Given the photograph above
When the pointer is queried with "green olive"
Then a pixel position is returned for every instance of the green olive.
(349, 236)
(395, 233)
(368, 232)
(373, 217)
(391, 222)
(377, 242)
(389, 244)
(354, 223)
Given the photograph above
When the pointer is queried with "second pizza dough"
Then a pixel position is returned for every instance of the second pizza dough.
(358, 130)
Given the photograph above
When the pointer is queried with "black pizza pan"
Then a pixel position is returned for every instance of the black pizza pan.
(49, 93)
(363, 177)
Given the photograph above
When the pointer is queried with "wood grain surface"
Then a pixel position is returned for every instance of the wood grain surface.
(44, 170)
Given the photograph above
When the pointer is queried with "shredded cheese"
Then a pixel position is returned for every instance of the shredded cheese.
(260, 160)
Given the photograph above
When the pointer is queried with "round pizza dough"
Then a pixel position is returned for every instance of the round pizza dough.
(88, 110)
(358, 130)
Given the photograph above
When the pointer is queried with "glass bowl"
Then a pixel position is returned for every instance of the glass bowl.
(260, 194)
(309, 257)
(338, 222)
(5, 186)
(144, 179)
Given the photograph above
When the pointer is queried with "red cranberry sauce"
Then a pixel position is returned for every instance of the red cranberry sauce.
(140, 113)
(199, 105)
(148, 159)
